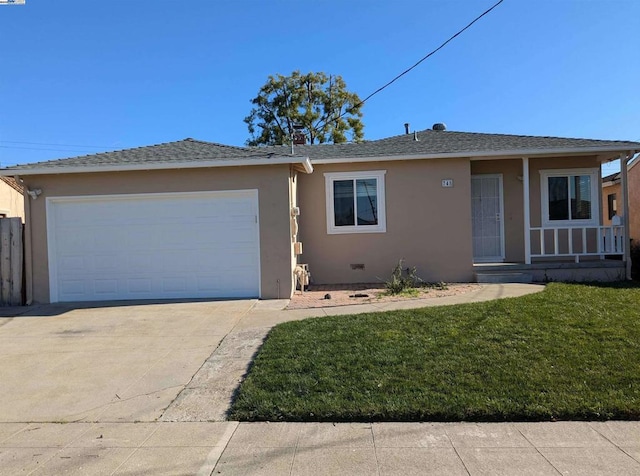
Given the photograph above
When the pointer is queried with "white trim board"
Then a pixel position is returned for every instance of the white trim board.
(304, 161)
(485, 155)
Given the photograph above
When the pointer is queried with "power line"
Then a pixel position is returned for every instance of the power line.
(429, 54)
(451, 38)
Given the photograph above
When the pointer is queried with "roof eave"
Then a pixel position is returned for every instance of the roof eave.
(502, 154)
(304, 161)
(609, 183)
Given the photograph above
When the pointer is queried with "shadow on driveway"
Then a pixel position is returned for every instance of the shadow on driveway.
(48, 310)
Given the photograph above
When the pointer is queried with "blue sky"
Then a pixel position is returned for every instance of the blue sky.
(116, 74)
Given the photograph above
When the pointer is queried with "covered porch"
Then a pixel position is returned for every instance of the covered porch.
(540, 218)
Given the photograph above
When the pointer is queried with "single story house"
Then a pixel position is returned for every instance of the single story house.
(611, 199)
(193, 219)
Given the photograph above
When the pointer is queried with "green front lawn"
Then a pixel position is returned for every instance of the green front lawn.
(570, 352)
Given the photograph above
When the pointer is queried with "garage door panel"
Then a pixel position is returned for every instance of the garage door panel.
(147, 247)
(73, 263)
(106, 287)
(105, 264)
(175, 285)
(139, 285)
(73, 287)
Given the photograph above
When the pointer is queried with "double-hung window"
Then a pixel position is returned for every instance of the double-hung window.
(355, 202)
(570, 197)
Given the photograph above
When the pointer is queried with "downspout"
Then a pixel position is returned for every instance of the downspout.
(28, 247)
(624, 161)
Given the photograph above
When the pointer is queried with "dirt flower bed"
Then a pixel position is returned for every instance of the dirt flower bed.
(346, 294)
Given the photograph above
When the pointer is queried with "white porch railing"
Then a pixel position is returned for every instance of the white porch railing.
(577, 241)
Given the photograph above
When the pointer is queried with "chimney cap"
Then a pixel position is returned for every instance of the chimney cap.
(299, 138)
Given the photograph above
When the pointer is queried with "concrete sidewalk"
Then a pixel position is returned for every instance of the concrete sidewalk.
(569, 448)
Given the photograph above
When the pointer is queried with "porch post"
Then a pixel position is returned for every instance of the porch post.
(624, 162)
(527, 210)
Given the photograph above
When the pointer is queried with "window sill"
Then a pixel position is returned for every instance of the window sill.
(348, 230)
(570, 224)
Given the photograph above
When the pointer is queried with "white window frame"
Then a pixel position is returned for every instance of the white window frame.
(331, 177)
(595, 197)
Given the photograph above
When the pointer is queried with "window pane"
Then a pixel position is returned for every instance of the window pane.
(613, 205)
(366, 190)
(558, 198)
(343, 205)
(580, 197)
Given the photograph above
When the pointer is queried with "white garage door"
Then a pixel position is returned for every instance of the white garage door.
(167, 246)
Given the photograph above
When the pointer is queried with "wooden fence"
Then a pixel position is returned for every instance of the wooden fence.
(11, 261)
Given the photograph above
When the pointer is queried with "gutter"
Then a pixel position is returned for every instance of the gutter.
(304, 161)
(480, 155)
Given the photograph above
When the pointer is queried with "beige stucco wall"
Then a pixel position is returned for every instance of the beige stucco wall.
(272, 183)
(11, 201)
(427, 225)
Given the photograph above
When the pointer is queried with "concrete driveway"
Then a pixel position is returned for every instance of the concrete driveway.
(123, 363)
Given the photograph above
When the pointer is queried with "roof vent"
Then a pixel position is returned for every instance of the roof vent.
(439, 126)
(406, 127)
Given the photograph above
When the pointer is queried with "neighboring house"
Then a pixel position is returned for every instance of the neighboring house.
(11, 198)
(611, 193)
(611, 198)
(191, 219)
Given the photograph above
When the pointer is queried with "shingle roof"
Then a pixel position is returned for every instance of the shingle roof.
(429, 143)
(187, 150)
(432, 142)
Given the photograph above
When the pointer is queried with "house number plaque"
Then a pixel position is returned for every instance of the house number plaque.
(447, 183)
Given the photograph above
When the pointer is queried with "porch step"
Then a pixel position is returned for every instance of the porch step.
(503, 277)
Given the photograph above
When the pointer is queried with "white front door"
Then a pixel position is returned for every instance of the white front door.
(487, 211)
